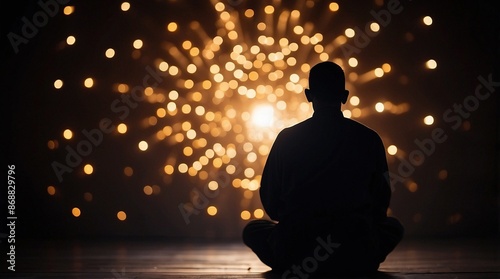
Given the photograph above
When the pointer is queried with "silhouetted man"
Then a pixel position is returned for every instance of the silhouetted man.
(326, 187)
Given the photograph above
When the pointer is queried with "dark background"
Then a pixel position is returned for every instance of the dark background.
(464, 40)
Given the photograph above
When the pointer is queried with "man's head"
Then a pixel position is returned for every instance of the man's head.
(327, 84)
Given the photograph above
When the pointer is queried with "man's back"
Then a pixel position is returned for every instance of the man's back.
(327, 163)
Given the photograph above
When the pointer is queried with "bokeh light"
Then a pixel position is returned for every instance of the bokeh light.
(76, 212)
(125, 6)
(392, 149)
(431, 64)
(427, 20)
(88, 169)
(121, 215)
(212, 210)
(225, 96)
(71, 40)
(51, 190)
(429, 120)
(68, 134)
(195, 101)
(68, 10)
(58, 84)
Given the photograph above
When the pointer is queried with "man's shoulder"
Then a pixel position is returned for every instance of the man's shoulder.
(297, 127)
(360, 128)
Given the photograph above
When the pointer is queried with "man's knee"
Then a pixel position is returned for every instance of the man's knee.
(245, 235)
(396, 228)
(255, 230)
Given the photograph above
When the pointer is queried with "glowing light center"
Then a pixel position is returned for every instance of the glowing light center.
(263, 116)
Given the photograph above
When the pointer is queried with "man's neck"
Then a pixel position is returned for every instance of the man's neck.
(325, 106)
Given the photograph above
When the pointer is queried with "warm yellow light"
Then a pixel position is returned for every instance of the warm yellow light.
(392, 149)
(76, 212)
(375, 27)
(219, 7)
(172, 27)
(248, 194)
(249, 13)
(232, 35)
(161, 112)
(121, 215)
(110, 53)
(353, 62)
(188, 151)
(183, 168)
(179, 137)
(69, 10)
(173, 95)
(187, 44)
(245, 215)
(281, 105)
(427, 20)
(269, 9)
(138, 44)
(186, 109)
(264, 150)
(379, 72)
(89, 82)
(121, 128)
(431, 64)
(249, 172)
(58, 84)
(88, 169)
(168, 169)
(230, 25)
(263, 116)
(191, 134)
(148, 190)
(295, 14)
(354, 100)
(356, 112)
(71, 40)
(324, 56)
(212, 210)
(258, 213)
(163, 66)
(386, 67)
(191, 68)
(152, 120)
(298, 29)
(143, 145)
(68, 134)
(333, 7)
(51, 190)
(379, 107)
(125, 6)
(188, 84)
(428, 120)
(213, 185)
(349, 32)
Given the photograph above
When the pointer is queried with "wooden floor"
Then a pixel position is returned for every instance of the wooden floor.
(452, 258)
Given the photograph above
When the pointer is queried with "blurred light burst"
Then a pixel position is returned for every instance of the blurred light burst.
(225, 96)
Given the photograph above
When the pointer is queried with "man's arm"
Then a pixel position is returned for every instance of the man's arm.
(381, 188)
(271, 182)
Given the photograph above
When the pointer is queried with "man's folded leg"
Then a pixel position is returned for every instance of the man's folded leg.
(256, 236)
(391, 233)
